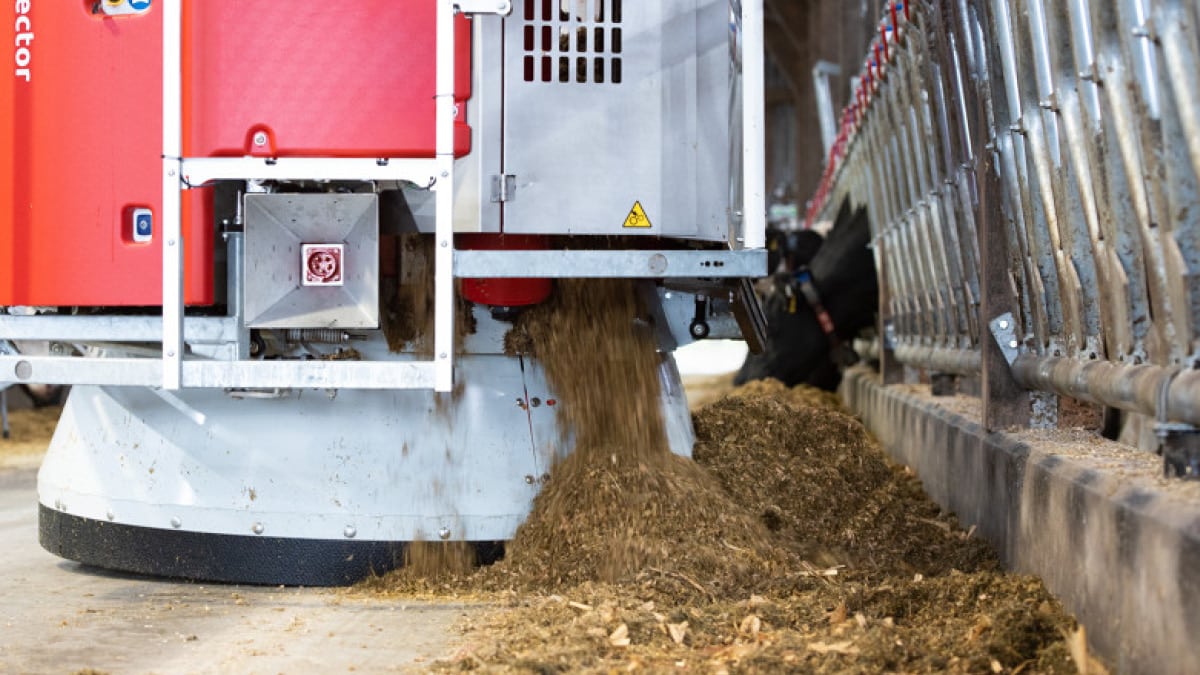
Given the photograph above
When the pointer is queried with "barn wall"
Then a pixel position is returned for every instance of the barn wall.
(799, 33)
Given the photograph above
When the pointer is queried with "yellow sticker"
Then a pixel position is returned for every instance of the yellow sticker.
(637, 217)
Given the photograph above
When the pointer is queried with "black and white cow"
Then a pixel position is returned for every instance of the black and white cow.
(814, 311)
(791, 249)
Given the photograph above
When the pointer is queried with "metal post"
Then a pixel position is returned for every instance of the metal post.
(171, 216)
(825, 112)
(754, 148)
(1005, 403)
(4, 431)
(443, 327)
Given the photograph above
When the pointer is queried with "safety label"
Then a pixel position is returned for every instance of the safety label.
(637, 216)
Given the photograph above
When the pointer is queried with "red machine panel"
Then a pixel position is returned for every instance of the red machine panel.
(319, 79)
(81, 134)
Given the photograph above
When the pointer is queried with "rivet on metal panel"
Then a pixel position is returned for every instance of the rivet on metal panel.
(257, 528)
(260, 138)
(442, 355)
(444, 533)
(529, 480)
(110, 515)
(658, 263)
(176, 522)
(349, 532)
(23, 370)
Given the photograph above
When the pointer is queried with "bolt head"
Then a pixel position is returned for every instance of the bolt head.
(176, 522)
(1003, 325)
(1013, 344)
(260, 138)
(349, 532)
(257, 528)
(444, 533)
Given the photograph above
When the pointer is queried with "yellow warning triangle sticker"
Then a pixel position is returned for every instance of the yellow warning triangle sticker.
(637, 216)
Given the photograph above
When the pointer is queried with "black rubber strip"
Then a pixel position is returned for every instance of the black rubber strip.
(231, 558)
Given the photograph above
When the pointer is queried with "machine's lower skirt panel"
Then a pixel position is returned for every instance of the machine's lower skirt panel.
(303, 487)
(234, 558)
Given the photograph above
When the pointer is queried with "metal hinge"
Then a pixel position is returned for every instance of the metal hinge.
(504, 188)
(501, 7)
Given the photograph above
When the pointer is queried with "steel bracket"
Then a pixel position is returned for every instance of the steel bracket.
(1004, 330)
(500, 7)
(1179, 445)
(504, 188)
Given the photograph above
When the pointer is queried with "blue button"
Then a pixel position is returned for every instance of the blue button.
(145, 225)
(140, 5)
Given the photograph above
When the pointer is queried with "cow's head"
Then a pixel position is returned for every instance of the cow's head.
(842, 273)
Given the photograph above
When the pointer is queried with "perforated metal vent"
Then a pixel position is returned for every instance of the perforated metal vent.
(577, 41)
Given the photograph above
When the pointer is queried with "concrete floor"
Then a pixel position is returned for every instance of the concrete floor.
(62, 617)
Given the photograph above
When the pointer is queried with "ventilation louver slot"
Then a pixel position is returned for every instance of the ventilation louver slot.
(573, 41)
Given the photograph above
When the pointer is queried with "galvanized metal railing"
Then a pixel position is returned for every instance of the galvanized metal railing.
(1030, 170)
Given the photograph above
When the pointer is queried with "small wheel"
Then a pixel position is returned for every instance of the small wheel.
(258, 345)
(698, 329)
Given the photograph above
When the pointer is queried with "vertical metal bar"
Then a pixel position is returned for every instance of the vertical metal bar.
(1077, 201)
(171, 216)
(1115, 259)
(443, 327)
(1122, 198)
(1177, 35)
(1005, 403)
(4, 431)
(754, 170)
(907, 97)
(964, 185)
(1178, 40)
(1136, 37)
(1081, 113)
(1031, 183)
(826, 114)
(1055, 173)
(235, 285)
(917, 54)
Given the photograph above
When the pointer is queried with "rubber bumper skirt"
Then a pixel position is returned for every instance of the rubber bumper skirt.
(231, 558)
